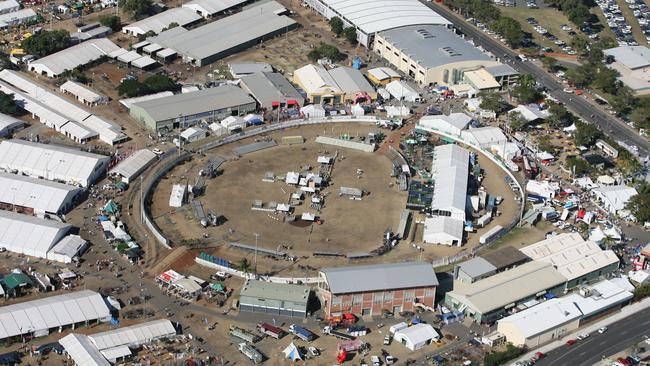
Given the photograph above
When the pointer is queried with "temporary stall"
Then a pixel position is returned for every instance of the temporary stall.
(397, 111)
(218, 130)
(178, 195)
(233, 123)
(313, 111)
(416, 336)
(400, 90)
(357, 110)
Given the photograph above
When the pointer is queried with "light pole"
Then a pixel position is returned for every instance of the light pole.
(255, 256)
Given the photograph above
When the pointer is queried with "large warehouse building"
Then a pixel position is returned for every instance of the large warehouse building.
(36, 196)
(52, 314)
(450, 171)
(187, 109)
(371, 289)
(237, 32)
(156, 23)
(489, 264)
(493, 297)
(36, 237)
(271, 89)
(50, 162)
(372, 16)
(70, 58)
(274, 298)
(335, 86)
(431, 54)
(578, 260)
(633, 64)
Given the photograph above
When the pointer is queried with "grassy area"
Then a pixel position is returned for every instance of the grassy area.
(628, 14)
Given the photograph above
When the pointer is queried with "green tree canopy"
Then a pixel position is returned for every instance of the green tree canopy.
(114, 22)
(46, 42)
(509, 29)
(606, 80)
(639, 206)
(577, 165)
(336, 25)
(158, 83)
(516, 121)
(131, 88)
(137, 8)
(325, 50)
(558, 115)
(492, 101)
(586, 134)
(350, 34)
(550, 63)
(8, 104)
(526, 90)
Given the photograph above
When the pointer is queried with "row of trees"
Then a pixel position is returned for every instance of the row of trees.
(338, 28)
(152, 84)
(326, 50)
(576, 10)
(46, 43)
(138, 9)
(487, 13)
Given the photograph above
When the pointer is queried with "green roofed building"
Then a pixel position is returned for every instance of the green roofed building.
(274, 298)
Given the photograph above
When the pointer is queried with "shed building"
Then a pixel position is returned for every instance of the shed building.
(184, 110)
(17, 17)
(452, 124)
(614, 198)
(271, 89)
(52, 162)
(82, 351)
(484, 137)
(240, 69)
(493, 297)
(393, 286)
(9, 124)
(156, 23)
(70, 58)
(489, 264)
(135, 164)
(237, 32)
(209, 8)
(50, 314)
(431, 54)
(83, 93)
(383, 75)
(416, 336)
(36, 196)
(632, 64)
(401, 90)
(275, 298)
(9, 6)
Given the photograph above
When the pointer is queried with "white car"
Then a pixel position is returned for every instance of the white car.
(157, 151)
(375, 360)
(602, 330)
(582, 336)
(313, 351)
(568, 90)
(223, 274)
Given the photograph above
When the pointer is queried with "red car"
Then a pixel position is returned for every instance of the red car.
(623, 361)
(571, 342)
(539, 355)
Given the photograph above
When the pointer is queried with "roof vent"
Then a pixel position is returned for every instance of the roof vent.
(449, 51)
(423, 33)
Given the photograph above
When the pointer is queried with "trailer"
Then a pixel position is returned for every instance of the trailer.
(484, 220)
(243, 334)
(351, 346)
(357, 330)
(270, 330)
(340, 335)
(487, 237)
(302, 333)
(249, 351)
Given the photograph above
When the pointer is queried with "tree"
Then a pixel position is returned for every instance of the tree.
(131, 88)
(544, 144)
(639, 206)
(144, 36)
(580, 44)
(325, 50)
(47, 42)
(526, 90)
(159, 83)
(137, 8)
(516, 121)
(642, 291)
(586, 134)
(549, 63)
(509, 29)
(492, 101)
(578, 166)
(244, 265)
(350, 34)
(606, 80)
(558, 115)
(114, 22)
(336, 25)
(8, 104)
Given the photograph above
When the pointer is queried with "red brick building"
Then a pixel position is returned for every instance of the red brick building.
(368, 290)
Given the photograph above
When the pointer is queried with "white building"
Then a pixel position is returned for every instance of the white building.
(81, 350)
(43, 316)
(67, 249)
(83, 93)
(208, 8)
(17, 17)
(156, 23)
(530, 113)
(578, 260)
(485, 137)
(9, 6)
(37, 196)
(70, 58)
(135, 164)
(52, 162)
(313, 111)
(193, 134)
(178, 195)
(400, 90)
(544, 189)
(450, 171)
(452, 124)
(9, 124)
(416, 336)
(217, 129)
(614, 198)
(233, 123)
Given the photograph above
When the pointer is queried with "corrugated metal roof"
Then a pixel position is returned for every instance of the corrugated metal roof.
(376, 277)
(132, 165)
(74, 56)
(254, 289)
(212, 7)
(82, 91)
(350, 80)
(156, 23)
(633, 57)
(201, 101)
(450, 171)
(39, 194)
(270, 87)
(477, 267)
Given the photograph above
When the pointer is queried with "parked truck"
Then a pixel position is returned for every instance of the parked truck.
(302, 333)
(249, 351)
(270, 330)
(340, 335)
(243, 334)
(484, 220)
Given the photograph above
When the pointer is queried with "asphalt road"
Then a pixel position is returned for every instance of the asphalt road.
(589, 351)
(578, 105)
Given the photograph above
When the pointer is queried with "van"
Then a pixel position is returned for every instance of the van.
(375, 361)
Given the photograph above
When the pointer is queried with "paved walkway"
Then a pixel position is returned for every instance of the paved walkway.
(624, 313)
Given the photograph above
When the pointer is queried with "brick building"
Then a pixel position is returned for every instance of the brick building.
(368, 290)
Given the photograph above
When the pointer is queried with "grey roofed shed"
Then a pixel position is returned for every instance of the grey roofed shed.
(506, 257)
(476, 267)
(440, 45)
(351, 80)
(276, 298)
(376, 277)
(501, 70)
(194, 103)
(269, 87)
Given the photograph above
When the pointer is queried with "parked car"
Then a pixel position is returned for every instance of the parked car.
(602, 330)
(313, 351)
(387, 340)
(582, 336)
(571, 342)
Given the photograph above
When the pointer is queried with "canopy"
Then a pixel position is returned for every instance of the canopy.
(110, 207)
(292, 352)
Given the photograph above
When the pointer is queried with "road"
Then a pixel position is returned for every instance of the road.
(578, 105)
(618, 337)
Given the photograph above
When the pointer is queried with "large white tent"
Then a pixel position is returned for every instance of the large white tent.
(30, 235)
(39, 316)
(134, 335)
(82, 351)
(52, 162)
(135, 164)
(41, 196)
